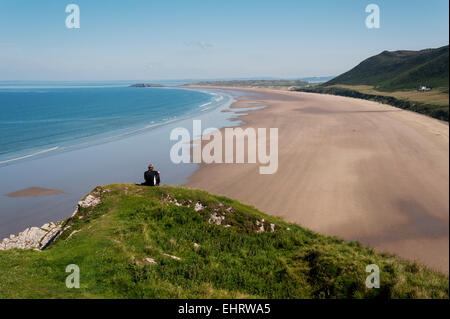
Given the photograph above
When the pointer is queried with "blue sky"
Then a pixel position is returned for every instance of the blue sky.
(151, 40)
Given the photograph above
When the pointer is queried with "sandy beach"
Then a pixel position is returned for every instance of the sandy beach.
(347, 167)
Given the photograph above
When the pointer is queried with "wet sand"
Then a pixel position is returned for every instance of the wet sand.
(351, 168)
(34, 192)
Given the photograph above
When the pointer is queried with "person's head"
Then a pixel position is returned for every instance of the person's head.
(150, 167)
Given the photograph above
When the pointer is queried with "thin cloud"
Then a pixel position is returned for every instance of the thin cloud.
(199, 44)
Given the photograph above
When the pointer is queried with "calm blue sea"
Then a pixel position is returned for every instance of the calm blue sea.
(39, 118)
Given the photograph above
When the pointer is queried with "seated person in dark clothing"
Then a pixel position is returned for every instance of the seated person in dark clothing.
(151, 177)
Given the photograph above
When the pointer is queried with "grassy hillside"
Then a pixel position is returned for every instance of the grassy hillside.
(196, 253)
(393, 78)
(400, 70)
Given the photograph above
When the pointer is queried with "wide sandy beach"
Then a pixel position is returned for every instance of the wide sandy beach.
(351, 168)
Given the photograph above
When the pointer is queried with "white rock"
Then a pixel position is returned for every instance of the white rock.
(32, 238)
(89, 201)
(261, 225)
(75, 212)
(73, 233)
(176, 202)
(173, 257)
(150, 260)
(216, 219)
(198, 206)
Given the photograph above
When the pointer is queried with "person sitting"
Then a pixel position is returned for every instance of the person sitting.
(151, 177)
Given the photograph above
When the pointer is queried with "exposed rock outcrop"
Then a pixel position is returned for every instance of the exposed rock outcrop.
(37, 238)
(216, 219)
(198, 206)
(218, 214)
(89, 201)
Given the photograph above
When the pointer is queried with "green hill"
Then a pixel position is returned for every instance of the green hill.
(399, 70)
(173, 242)
(394, 77)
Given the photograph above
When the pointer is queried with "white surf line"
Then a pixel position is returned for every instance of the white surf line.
(205, 104)
(30, 155)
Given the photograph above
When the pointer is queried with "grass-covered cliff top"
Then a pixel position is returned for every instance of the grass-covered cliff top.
(174, 242)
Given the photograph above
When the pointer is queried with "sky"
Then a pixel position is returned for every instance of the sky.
(151, 40)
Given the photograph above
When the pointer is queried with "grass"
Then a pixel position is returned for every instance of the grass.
(400, 70)
(438, 96)
(133, 223)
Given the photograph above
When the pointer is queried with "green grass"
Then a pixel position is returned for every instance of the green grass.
(135, 222)
(437, 96)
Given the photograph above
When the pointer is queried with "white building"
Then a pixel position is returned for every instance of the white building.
(423, 88)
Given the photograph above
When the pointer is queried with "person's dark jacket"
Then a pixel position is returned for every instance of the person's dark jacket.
(150, 178)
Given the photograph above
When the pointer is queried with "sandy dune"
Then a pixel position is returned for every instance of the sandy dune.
(34, 192)
(348, 167)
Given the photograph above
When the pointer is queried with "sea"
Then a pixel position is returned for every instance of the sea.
(37, 118)
(73, 136)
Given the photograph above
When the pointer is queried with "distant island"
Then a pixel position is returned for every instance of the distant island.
(146, 85)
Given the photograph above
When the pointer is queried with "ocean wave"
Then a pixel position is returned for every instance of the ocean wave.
(203, 105)
(29, 155)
